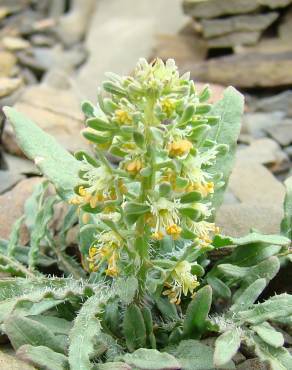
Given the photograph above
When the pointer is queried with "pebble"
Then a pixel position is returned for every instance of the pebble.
(9, 86)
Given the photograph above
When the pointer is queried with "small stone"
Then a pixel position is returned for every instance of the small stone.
(217, 8)
(4, 11)
(10, 362)
(263, 151)
(253, 364)
(238, 358)
(234, 39)
(241, 23)
(285, 27)
(14, 43)
(9, 85)
(238, 219)
(282, 133)
(7, 64)
(41, 40)
(12, 207)
(256, 124)
(288, 151)
(281, 102)
(252, 183)
(56, 111)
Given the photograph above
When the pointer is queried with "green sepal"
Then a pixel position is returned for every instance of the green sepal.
(187, 115)
(205, 94)
(164, 189)
(134, 210)
(192, 213)
(112, 88)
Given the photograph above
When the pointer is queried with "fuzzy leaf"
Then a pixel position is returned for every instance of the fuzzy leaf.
(55, 324)
(151, 359)
(249, 295)
(21, 330)
(256, 237)
(197, 313)
(42, 357)
(86, 328)
(126, 289)
(56, 163)
(226, 346)
(134, 328)
(269, 335)
(219, 287)
(286, 225)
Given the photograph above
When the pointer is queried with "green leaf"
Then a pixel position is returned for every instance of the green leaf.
(230, 110)
(278, 358)
(219, 287)
(57, 164)
(85, 330)
(55, 324)
(14, 237)
(256, 237)
(147, 316)
(191, 197)
(100, 124)
(43, 357)
(151, 359)
(269, 334)
(126, 288)
(134, 210)
(226, 346)
(197, 313)
(134, 328)
(21, 330)
(249, 295)
(167, 309)
(113, 366)
(233, 270)
(286, 224)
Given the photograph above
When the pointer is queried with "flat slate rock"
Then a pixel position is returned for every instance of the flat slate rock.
(240, 23)
(256, 123)
(279, 102)
(252, 69)
(234, 39)
(217, 8)
(282, 133)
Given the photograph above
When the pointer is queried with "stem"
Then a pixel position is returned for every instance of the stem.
(17, 266)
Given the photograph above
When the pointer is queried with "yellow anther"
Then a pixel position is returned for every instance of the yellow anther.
(158, 235)
(174, 230)
(168, 107)
(122, 116)
(179, 147)
(134, 166)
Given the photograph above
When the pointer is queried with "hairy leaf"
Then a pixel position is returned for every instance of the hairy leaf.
(269, 335)
(226, 346)
(134, 328)
(151, 359)
(249, 295)
(286, 225)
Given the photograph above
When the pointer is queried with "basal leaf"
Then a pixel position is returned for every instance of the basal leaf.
(226, 346)
(151, 359)
(56, 163)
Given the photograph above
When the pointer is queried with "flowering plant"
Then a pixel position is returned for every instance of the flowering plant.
(145, 199)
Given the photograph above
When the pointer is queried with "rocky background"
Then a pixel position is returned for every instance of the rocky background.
(53, 54)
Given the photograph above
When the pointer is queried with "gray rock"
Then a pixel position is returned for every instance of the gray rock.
(240, 23)
(253, 364)
(285, 27)
(252, 183)
(237, 219)
(262, 151)
(288, 151)
(217, 8)
(234, 39)
(9, 86)
(282, 133)
(280, 102)
(255, 124)
(7, 64)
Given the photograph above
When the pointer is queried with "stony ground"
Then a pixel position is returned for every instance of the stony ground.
(46, 69)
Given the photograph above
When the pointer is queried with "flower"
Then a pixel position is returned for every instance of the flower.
(107, 249)
(204, 231)
(179, 147)
(168, 106)
(122, 117)
(134, 166)
(174, 230)
(183, 282)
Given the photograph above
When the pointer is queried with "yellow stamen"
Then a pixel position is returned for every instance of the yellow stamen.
(134, 166)
(122, 116)
(85, 218)
(179, 147)
(174, 230)
(158, 235)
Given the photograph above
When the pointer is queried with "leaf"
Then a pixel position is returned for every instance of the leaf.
(219, 288)
(233, 270)
(269, 335)
(226, 346)
(57, 164)
(167, 309)
(55, 324)
(230, 110)
(249, 295)
(277, 306)
(256, 237)
(254, 253)
(21, 330)
(278, 358)
(126, 288)
(197, 313)
(193, 355)
(134, 328)
(151, 359)
(286, 224)
(86, 328)
(113, 366)
(14, 237)
(43, 357)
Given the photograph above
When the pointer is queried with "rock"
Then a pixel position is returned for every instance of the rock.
(256, 124)
(217, 8)
(250, 69)
(234, 39)
(72, 26)
(253, 364)
(7, 64)
(282, 133)
(288, 151)
(285, 27)
(238, 358)
(4, 11)
(252, 183)
(58, 78)
(9, 85)
(182, 47)
(10, 362)
(56, 111)
(262, 151)
(15, 170)
(40, 40)
(12, 207)
(280, 102)
(240, 23)
(237, 219)
(14, 43)
(42, 59)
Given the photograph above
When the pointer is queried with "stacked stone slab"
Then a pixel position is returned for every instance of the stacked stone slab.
(242, 26)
